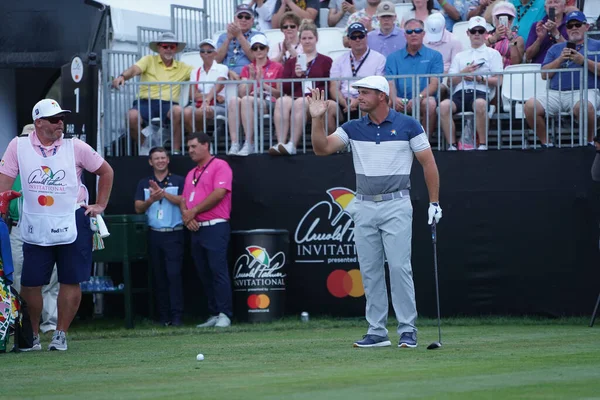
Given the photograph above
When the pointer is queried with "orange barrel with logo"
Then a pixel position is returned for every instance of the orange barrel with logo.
(259, 269)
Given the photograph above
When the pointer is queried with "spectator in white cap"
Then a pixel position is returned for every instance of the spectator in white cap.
(472, 92)
(437, 37)
(384, 143)
(155, 101)
(55, 224)
(234, 45)
(242, 108)
(207, 98)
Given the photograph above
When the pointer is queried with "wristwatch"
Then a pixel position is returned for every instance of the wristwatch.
(557, 37)
(421, 96)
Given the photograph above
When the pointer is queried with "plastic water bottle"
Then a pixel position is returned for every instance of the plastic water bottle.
(95, 284)
(304, 317)
(467, 140)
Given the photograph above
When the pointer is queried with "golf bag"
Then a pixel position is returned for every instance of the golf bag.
(13, 311)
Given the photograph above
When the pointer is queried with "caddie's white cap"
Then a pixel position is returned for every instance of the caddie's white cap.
(373, 82)
(47, 108)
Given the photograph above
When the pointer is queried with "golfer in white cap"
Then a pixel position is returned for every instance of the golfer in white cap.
(383, 143)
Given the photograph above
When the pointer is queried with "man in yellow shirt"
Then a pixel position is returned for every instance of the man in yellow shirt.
(155, 100)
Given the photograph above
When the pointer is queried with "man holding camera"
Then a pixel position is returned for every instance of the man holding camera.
(564, 94)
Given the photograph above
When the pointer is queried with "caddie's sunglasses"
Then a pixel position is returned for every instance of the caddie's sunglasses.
(168, 46)
(55, 119)
(574, 25)
(244, 16)
(417, 31)
(480, 31)
(258, 47)
(360, 36)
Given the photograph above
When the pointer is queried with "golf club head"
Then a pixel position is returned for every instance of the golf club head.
(434, 345)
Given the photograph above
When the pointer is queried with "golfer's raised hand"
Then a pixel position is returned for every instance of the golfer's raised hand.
(317, 106)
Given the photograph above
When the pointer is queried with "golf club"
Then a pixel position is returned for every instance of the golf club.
(438, 344)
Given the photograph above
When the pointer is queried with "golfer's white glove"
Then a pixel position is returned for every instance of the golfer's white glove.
(435, 211)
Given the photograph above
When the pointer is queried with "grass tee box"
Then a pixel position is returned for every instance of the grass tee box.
(491, 358)
(128, 241)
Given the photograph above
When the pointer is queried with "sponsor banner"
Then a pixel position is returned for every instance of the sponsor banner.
(259, 274)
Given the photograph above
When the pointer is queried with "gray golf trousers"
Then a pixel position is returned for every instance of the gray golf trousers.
(384, 230)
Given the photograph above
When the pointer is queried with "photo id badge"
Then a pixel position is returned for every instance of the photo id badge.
(160, 214)
(192, 196)
(232, 62)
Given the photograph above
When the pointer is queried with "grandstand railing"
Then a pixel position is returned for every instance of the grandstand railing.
(219, 14)
(190, 25)
(506, 127)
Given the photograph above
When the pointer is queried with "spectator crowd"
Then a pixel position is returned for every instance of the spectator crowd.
(424, 41)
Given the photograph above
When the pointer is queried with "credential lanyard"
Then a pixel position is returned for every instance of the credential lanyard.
(197, 178)
(44, 152)
(355, 70)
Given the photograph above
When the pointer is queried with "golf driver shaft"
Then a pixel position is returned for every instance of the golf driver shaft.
(437, 285)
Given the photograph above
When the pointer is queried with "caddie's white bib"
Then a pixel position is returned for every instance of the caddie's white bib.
(50, 189)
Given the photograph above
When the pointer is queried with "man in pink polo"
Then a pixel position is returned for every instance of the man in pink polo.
(205, 208)
(54, 223)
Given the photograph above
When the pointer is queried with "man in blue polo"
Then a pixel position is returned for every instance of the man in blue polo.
(233, 46)
(415, 59)
(158, 196)
(564, 94)
(383, 143)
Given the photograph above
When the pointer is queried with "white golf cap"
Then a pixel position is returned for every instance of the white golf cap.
(434, 28)
(259, 39)
(373, 82)
(47, 108)
(474, 22)
(209, 42)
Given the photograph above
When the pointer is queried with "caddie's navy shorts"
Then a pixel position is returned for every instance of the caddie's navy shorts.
(73, 261)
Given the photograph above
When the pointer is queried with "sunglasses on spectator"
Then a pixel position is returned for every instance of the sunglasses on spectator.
(244, 16)
(208, 51)
(258, 47)
(360, 36)
(168, 46)
(55, 119)
(480, 31)
(288, 27)
(574, 25)
(417, 31)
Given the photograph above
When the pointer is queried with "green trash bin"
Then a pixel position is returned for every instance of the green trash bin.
(128, 241)
(128, 238)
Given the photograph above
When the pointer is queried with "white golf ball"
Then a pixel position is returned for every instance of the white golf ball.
(200, 357)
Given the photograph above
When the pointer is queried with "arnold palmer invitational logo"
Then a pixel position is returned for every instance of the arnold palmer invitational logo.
(258, 270)
(325, 234)
(46, 180)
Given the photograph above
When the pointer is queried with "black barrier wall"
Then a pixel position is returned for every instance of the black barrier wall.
(517, 236)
